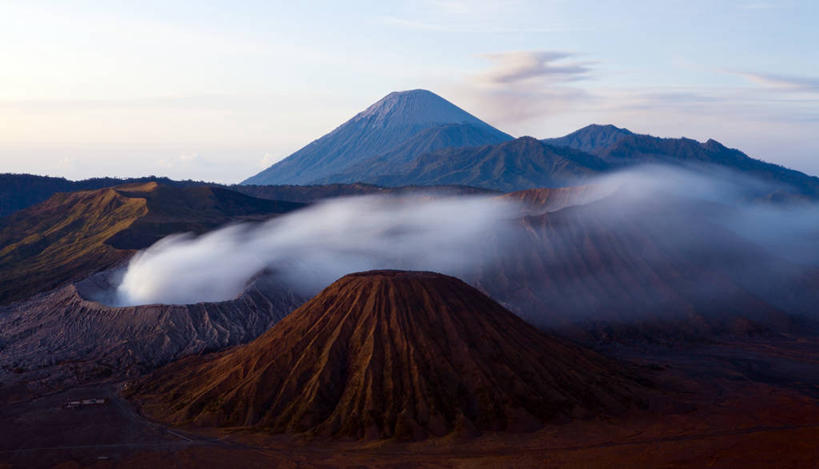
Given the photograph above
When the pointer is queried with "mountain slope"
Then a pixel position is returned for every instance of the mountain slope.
(191, 209)
(659, 267)
(72, 235)
(63, 239)
(313, 193)
(591, 138)
(426, 141)
(391, 354)
(522, 163)
(381, 127)
(622, 148)
(640, 149)
(18, 191)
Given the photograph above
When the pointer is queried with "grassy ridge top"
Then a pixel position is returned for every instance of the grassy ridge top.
(72, 235)
(63, 239)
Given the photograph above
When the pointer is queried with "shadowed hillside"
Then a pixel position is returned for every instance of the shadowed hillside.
(661, 269)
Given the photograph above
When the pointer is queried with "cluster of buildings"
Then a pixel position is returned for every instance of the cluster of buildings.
(84, 403)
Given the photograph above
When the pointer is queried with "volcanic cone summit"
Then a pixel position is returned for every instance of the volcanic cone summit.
(391, 354)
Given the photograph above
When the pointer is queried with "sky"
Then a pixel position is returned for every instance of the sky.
(219, 90)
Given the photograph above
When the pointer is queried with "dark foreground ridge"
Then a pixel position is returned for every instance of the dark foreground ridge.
(391, 354)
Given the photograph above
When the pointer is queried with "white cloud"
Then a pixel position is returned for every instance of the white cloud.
(268, 159)
(521, 86)
(537, 67)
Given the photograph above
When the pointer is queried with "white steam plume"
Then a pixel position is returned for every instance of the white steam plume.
(314, 246)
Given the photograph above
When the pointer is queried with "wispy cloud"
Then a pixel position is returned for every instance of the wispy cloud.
(680, 97)
(520, 66)
(475, 28)
(522, 85)
(759, 5)
(751, 104)
(513, 106)
(783, 82)
(268, 159)
(691, 99)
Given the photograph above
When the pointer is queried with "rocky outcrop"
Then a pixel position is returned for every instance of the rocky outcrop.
(73, 339)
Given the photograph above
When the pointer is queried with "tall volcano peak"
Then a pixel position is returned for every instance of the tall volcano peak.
(383, 126)
(415, 107)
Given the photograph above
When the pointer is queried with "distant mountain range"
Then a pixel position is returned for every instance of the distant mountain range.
(622, 148)
(418, 138)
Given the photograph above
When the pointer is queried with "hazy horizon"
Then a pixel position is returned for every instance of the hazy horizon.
(221, 91)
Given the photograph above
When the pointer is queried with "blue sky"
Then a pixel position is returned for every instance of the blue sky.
(219, 90)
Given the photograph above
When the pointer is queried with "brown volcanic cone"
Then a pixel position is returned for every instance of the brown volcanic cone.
(391, 354)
